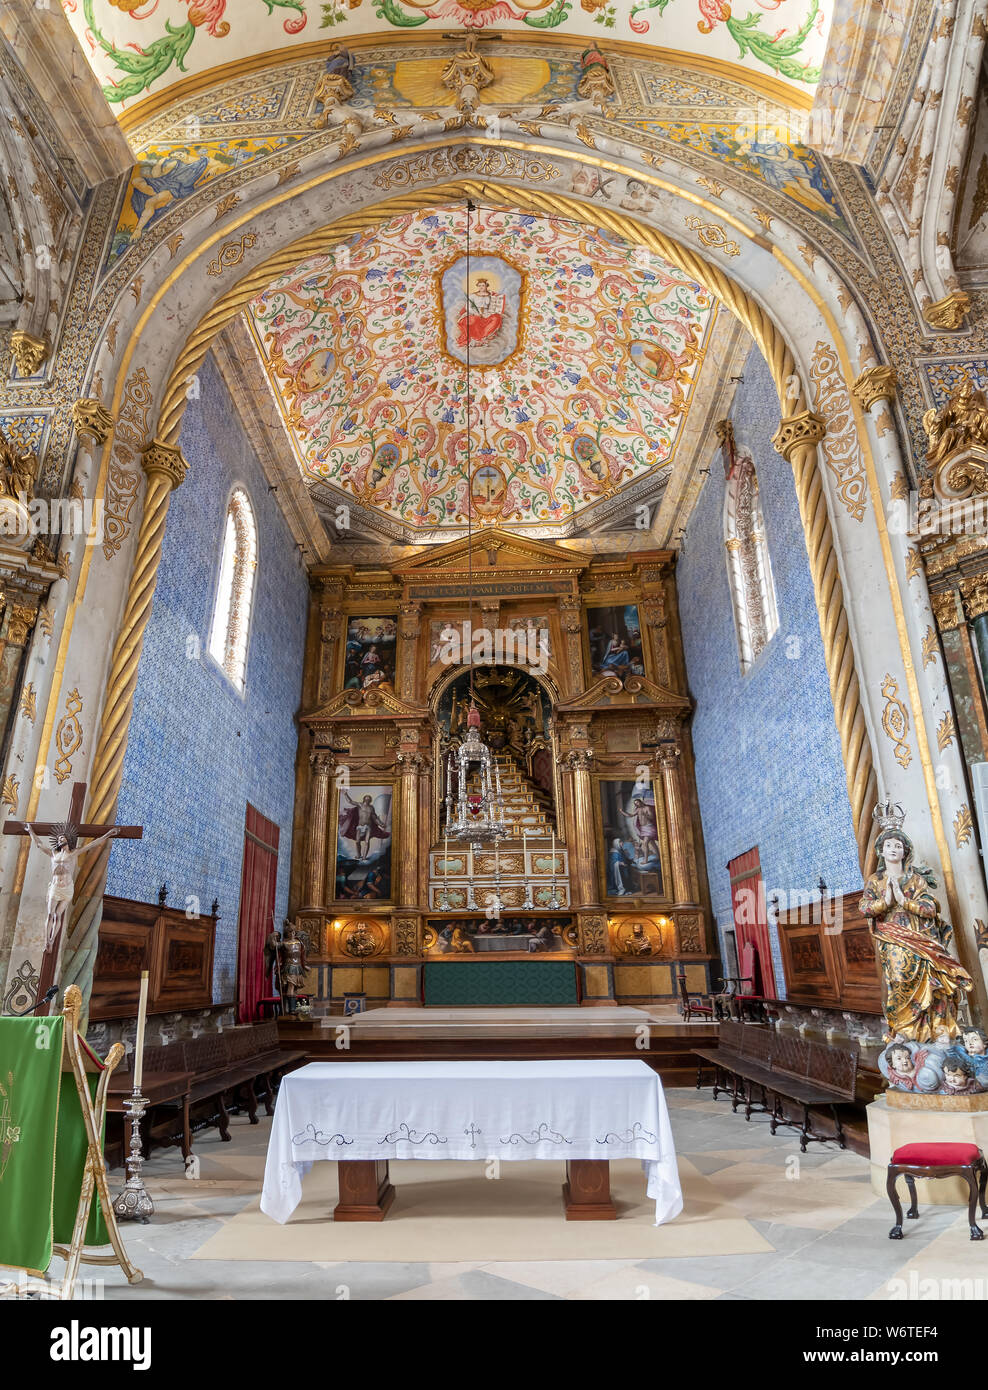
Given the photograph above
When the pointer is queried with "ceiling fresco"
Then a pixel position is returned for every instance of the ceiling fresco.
(138, 48)
(224, 132)
(584, 354)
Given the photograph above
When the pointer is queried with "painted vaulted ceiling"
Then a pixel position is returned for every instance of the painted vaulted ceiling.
(140, 48)
(583, 353)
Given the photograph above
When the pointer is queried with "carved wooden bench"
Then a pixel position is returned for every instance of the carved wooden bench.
(213, 1074)
(780, 1067)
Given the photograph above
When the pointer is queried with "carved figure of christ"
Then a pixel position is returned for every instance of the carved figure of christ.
(65, 853)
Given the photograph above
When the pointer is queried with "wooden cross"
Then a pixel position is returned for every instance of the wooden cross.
(49, 961)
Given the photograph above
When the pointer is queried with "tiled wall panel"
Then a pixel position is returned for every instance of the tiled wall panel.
(198, 749)
(768, 757)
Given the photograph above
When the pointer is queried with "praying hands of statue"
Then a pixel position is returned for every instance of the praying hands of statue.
(893, 893)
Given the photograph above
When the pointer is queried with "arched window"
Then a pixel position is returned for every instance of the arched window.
(235, 589)
(749, 568)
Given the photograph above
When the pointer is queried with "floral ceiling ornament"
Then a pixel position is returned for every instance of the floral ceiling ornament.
(141, 46)
(583, 367)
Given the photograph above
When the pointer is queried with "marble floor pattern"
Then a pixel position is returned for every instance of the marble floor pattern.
(825, 1234)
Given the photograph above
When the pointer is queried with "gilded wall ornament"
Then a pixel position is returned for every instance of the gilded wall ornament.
(930, 646)
(406, 938)
(20, 621)
(958, 442)
(963, 826)
(29, 702)
(945, 731)
(28, 351)
(895, 721)
(975, 594)
(946, 611)
(231, 253)
(713, 235)
(840, 443)
(948, 313)
(690, 935)
(10, 792)
(593, 936)
(68, 736)
(875, 384)
(123, 478)
(639, 937)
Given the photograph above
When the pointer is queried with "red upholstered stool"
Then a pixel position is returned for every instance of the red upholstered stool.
(938, 1161)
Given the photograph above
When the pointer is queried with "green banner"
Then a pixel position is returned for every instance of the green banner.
(70, 1160)
(30, 1081)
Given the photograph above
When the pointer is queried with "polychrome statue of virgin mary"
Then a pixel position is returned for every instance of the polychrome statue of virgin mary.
(924, 985)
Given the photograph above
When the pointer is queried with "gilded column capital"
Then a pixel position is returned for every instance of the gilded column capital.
(975, 594)
(669, 756)
(21, 620)
(166, 459)
(798, 431)
(947, 610)
(579, 759)
(653, 609)
(322, 762)
(949, 312)
(570, 608)
(409, 618)
(29, 352)
(91, 417)
(875, 384)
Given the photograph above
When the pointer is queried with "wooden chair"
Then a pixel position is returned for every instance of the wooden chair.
(913, 1161)
(690, 1004)
(738, 994)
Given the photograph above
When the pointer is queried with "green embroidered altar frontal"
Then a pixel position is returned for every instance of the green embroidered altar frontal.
(42, 1145)
(481, 984)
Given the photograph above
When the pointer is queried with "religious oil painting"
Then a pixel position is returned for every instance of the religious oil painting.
(615, 639)
(632, 840)
(363, 842)
(370, 653)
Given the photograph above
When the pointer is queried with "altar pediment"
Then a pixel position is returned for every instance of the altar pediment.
(610, 692)
(492, 549)
(373, 703)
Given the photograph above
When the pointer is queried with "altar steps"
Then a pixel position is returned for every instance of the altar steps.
(507, 1034)
(527, 807)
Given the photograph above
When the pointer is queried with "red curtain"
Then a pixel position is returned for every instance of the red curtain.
(751, 919)
(257, 892)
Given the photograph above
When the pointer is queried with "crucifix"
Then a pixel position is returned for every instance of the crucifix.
(65, 853)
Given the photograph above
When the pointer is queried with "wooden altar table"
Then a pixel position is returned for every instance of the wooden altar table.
(364, 1114)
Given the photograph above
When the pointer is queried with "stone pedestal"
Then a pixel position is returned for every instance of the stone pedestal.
(912, 1119)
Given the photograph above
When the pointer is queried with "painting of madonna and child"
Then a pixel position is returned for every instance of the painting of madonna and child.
(370, 653)
(632, 840)
(615, 641)
(363, 842)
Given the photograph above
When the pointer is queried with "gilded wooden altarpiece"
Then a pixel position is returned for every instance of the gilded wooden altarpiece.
(625, 727)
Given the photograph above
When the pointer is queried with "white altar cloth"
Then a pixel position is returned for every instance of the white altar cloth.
(470, 1110)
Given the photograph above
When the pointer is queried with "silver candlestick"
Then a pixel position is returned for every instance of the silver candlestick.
(134, 1204)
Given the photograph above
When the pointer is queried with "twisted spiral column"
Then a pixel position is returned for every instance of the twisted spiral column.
(797, 440)
(166, 469)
